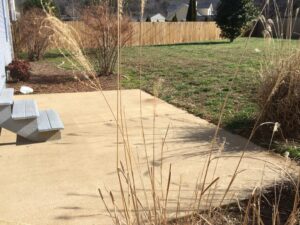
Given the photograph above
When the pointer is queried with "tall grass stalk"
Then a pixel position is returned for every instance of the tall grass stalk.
(153, 207)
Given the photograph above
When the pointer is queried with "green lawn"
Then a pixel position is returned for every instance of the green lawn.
(197, 77)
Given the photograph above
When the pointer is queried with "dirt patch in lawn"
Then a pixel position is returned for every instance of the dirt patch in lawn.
(48, 78)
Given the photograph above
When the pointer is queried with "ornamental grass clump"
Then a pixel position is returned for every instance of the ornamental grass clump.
(150, 191)
(279, 95)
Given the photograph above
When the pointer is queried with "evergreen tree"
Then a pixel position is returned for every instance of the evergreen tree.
(175, 18)
(233, 16)
(148, 19)
(192, 11)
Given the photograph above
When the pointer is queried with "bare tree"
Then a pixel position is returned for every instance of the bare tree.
(102, 28)
(34, 33)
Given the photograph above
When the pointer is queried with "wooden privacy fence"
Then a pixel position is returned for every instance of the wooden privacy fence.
(173, 33)
(163, 33)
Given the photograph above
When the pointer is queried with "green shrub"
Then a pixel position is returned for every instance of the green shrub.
(233, 16)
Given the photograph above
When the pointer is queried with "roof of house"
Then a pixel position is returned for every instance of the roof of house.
(204, 5)
(174, 7)
(158, 15)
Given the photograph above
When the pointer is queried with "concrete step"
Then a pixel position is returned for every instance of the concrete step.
(49, 120)
(25, 109)
(6, 96)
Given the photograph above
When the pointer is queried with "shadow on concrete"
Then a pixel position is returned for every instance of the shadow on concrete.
(233, 142)
(197, 142)
(82, 195)
(70, 208)
(83, 216)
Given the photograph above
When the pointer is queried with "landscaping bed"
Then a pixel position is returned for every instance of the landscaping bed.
(47, 77)
(275, 205)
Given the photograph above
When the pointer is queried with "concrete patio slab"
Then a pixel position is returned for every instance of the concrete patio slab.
(56, 183)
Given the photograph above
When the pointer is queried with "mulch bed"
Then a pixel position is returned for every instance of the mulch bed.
(282, 195)
(47, 78)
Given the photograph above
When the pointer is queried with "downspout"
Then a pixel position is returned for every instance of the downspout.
(13, 17)
(12, 6)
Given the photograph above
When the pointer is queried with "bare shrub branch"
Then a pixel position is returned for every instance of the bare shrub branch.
(102, 30)
(34, 34)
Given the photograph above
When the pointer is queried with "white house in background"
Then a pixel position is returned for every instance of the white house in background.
(6, 46)
(205, 9)
(158, 18)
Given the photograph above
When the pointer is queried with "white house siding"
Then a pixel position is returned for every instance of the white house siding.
(206, 11)
(5, 40)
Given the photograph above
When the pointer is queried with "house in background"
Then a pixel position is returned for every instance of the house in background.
(6, 45)
(205, 10)
(158, 18)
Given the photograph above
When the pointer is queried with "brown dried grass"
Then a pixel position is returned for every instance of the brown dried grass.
(279, 94)
(151, 204)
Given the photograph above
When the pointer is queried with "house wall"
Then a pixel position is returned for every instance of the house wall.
(5, 40)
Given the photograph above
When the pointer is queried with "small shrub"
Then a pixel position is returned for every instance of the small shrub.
(19, 70)
(35, 33)
(102, 23)
(148, 19)
(279, 94)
